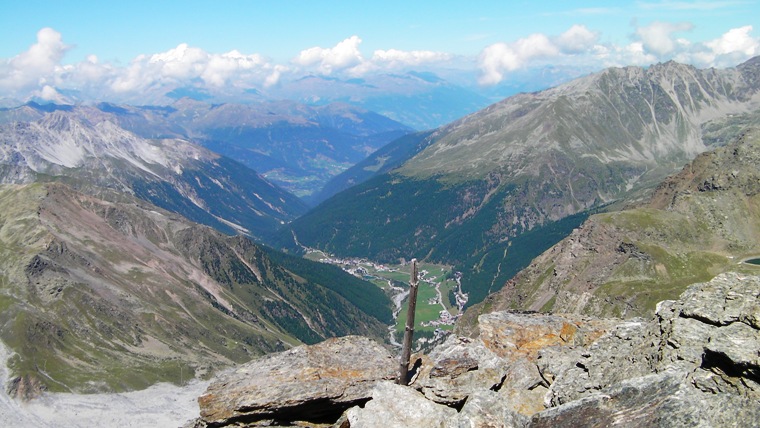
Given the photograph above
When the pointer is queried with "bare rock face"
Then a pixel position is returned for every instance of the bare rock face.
(25, 388)
(695, 364)
(714, 326)
(307, 383)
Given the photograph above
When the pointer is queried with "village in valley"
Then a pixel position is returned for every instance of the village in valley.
(440, 300)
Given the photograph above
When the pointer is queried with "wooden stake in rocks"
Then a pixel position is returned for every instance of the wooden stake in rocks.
(406, 348)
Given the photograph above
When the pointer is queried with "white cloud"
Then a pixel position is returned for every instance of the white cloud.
(36, 66)
(737, 40)
(221, 68)
(344, 55)
(657, 37)
(275, 75)
(499, 58)
(39, 71)
(184, 64)
(394, 58)
(636, 54)
(577, 39)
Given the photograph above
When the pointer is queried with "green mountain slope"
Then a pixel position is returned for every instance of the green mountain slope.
(385, 159)
(700, 222)
(530, 162)
(116, 295)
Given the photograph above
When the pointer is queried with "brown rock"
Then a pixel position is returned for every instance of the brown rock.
(513, 335)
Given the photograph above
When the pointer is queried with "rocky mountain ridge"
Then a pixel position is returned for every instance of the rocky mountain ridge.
(93, 153)
(693, 364)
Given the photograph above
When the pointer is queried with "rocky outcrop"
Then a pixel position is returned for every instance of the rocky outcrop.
(307, 383)
(696, 363)
(504, 358)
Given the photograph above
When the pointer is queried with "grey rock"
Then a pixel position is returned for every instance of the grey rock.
(458, 368)
(486, 408)
(663, 400)
(516, 335)
(693, 364)
(630, 345)
(721, 301)
(307, 383)
(739, 343)
(395, 406)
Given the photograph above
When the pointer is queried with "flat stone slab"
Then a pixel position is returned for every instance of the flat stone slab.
(306, 383)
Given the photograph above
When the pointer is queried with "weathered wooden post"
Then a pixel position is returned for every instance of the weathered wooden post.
(406, 348)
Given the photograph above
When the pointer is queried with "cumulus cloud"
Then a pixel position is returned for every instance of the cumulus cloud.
(737, 40)
(36, 66)
(49, 93)
(395, 59)
(577, 39)
(657, 37)
(275, 75)
(499, 58)
(39, 71)
(344, 55)
(185, 64)
(398, 58)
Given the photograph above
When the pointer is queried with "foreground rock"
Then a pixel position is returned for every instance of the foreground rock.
(308, 383)
(696, 363)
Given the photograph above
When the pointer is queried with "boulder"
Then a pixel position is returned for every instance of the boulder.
(694, 364)
(456, 369)
(307, 383)
(630, 345)
(396, 406)
(663, 400)
(485, 408)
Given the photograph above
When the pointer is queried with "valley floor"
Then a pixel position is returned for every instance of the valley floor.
(162, 405)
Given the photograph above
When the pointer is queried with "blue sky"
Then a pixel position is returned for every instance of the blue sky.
(118, 46)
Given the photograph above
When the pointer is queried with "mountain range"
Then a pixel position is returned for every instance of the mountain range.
(295, 146)
(494, 189)
(422, 100)
(93, 154)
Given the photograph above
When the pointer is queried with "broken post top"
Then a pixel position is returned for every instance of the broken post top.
(414, 276)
